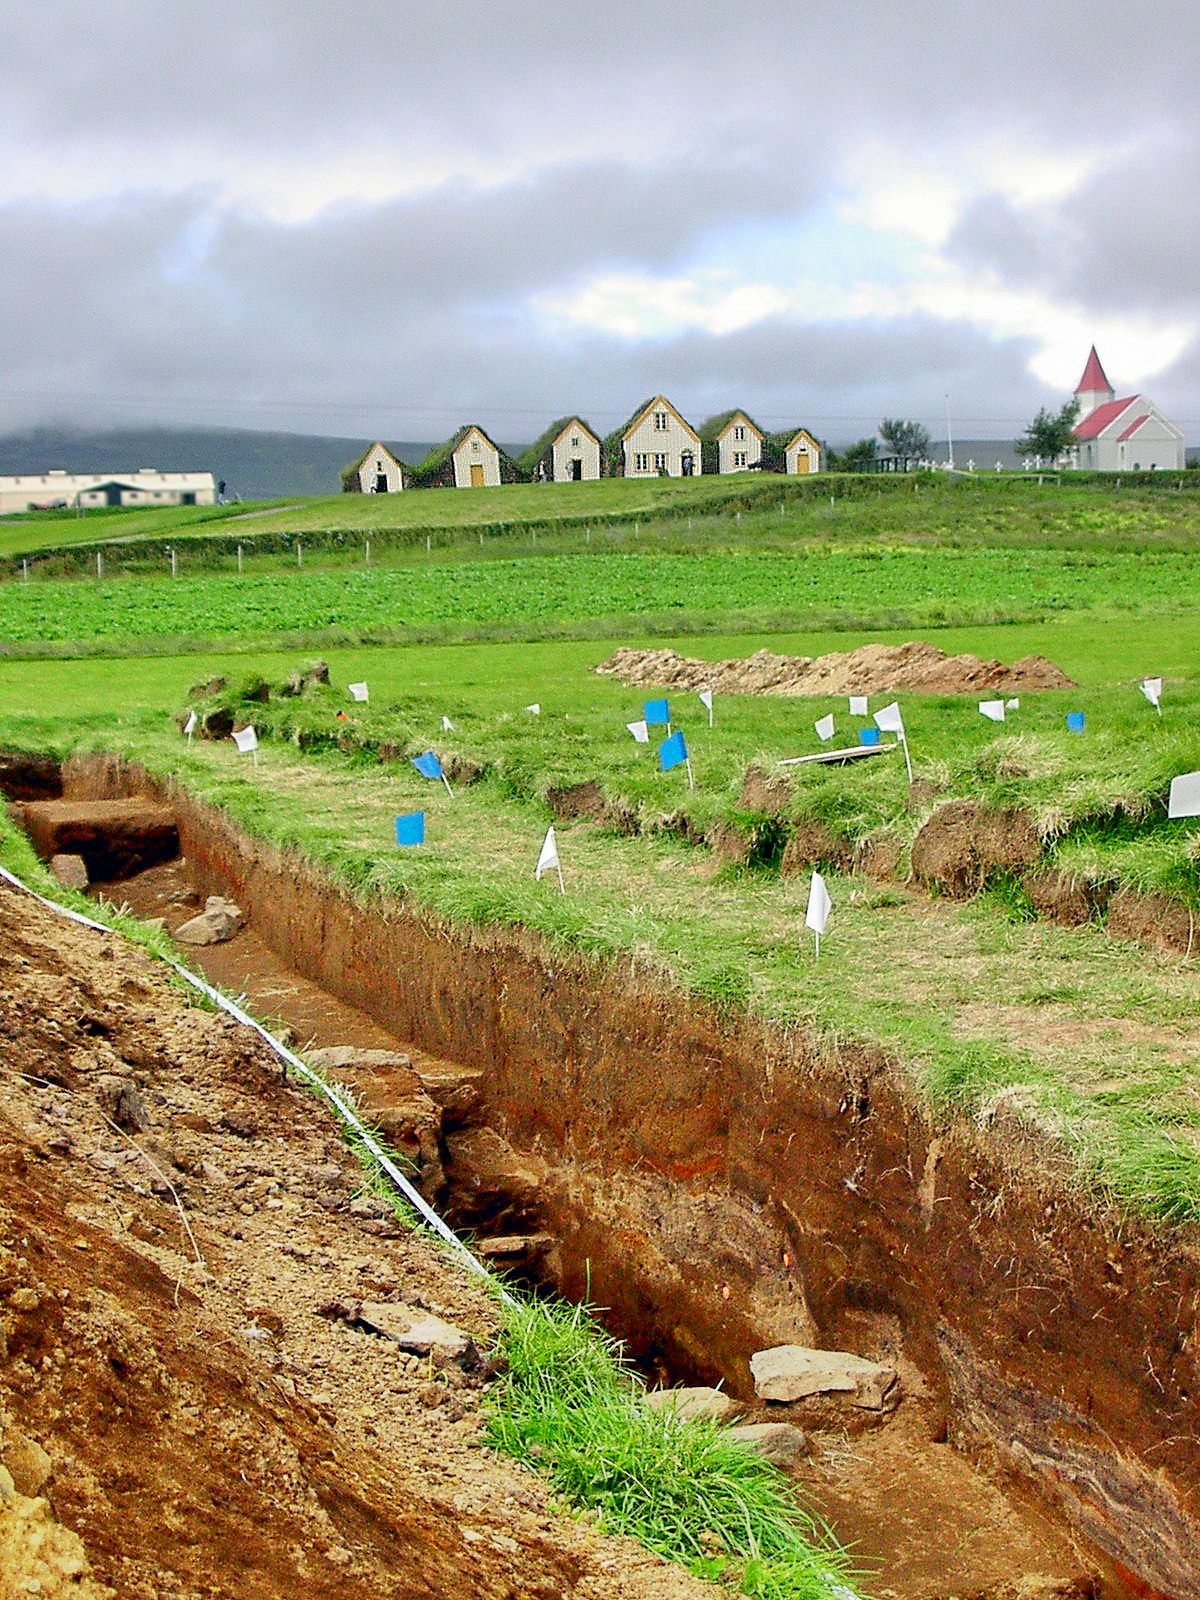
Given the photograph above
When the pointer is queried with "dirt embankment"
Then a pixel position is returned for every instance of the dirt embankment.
(760, 1189)
(871, 669)
(174, 1428)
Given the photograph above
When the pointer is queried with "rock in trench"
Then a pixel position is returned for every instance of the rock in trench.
(421, 1334)
(693, 1403)
(219, 921)
(71, 871)
(793, 1372)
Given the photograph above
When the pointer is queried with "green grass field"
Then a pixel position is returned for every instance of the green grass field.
(1093, 1038)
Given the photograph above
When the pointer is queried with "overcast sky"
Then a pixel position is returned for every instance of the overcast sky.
(372, 218)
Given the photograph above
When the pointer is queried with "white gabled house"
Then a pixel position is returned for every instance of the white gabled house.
(733, 442)
(568, 452)
(1126, 434)
(802, 453)
(476, 460)
(376, 471)
(656, 442)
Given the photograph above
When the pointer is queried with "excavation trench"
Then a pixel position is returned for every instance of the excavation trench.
(720, 1188)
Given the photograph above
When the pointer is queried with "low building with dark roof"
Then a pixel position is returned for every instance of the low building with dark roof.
(732, 442)
(567, 452)
(656, 442)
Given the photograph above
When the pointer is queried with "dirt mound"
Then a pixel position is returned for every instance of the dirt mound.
(175, 1426)
(872, 669)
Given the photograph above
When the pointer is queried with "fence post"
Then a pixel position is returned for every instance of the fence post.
(174, 563)
(25, 568)
(299, 558)
(367, 552)
(428, 544)
(239, 559)
(99, 565)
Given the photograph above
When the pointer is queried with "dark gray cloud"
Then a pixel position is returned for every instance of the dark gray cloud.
(338, 218)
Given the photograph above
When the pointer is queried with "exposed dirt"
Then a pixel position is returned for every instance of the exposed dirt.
(871, 669)
(178, 1429)
(722, 1186)
(963, 842)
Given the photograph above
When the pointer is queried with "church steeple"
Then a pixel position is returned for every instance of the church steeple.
(1093, 389)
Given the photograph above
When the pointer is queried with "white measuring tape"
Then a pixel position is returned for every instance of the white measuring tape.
(336, 1098)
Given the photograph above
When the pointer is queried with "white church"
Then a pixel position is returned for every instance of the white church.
(1129, 434)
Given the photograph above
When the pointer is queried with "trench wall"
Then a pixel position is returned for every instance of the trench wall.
(730, 1186)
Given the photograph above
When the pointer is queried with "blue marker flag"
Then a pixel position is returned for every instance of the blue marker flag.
(410, 828)
(672, 752)
(427, 765)
(868, 736)
(656, 712)
(1075, 721)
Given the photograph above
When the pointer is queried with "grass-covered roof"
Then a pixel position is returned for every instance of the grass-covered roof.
(712, 430)
(528, 459)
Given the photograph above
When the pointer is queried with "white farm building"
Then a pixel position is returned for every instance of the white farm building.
(61, 490)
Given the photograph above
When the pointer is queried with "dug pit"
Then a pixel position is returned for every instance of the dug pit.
(721, 1189)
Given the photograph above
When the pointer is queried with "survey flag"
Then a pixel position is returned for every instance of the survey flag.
(858, 705)
(246, 740)
(1184, 799)
(705, 696)
(1014, 704)
(189, 726)
(819, 905)
(535, 710)
(410, 828)
(672, 752)
(868, 736)
(358, 691)
(824, 727)
(447, 725)
(548, 860)
(657, 713)
(992, 709)
(640, 732)
(1075, 721)
(890, 720)
(1152, 689)
(428, 765)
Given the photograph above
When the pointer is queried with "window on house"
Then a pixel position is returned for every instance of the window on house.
(660, 462)
(641, 462)
(739, 432)
(475, 446)
(660, 422)
(574, 441)
(739, 458)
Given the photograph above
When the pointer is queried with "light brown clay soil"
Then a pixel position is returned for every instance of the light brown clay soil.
(177, 1428)
(871, 669)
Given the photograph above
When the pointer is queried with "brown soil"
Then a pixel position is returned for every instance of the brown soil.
(962, 843)
(177, 1430)
(721, 1186)
(871, 669)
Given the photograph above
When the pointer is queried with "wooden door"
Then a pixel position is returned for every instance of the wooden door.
(477, 474)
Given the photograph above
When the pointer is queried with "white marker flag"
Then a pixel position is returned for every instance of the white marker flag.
(1013, 705)
(1152, 689)
(819, 907)
(858, 705)
(358, 690)
(246, 740)
(548, 860)
(1185, 795)
(889, 720)
(640, 732)
(824, 727)
(534, 710)
(994, 709)
(447, 725)
(705, 696)
(189, 726)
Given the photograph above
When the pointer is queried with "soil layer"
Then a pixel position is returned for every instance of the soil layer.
(726, 1187)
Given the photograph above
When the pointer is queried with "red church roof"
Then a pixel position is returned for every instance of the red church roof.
(1094, 424)
(1093, 375)
(1134, 426)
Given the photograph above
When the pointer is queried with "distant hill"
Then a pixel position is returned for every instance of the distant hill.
(255, 466)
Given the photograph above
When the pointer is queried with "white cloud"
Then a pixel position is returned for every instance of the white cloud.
(640, 306)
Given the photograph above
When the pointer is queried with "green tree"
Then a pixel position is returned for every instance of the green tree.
(1050, 434)
(856, 457)
(904, 438)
